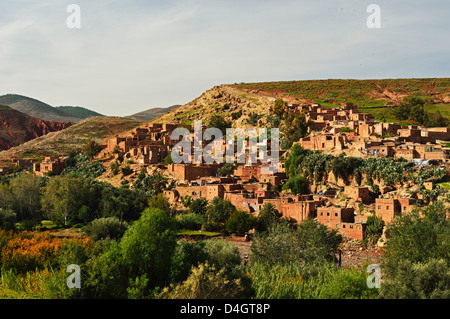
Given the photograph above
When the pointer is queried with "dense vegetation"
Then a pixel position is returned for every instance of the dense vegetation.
(305, 167)
(132, 248)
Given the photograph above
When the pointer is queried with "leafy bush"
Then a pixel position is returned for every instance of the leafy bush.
(7, 219)
(105, 228)
(190, 221)
(240, 222)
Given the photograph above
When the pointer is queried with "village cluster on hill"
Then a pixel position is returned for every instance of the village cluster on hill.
(338, 203)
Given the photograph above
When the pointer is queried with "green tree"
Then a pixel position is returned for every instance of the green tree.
(218, 213)
(374, 228)
(63, 198)
(199, 206)
(278, 108)
(297, 184)
(312, 242)
(423, 280)
(7, 219)
(240, 222)
(105, 228)
(219, 122)
(160, 201)
(147, 247)
(25, 193)
(91, 149)
(226, 169)
(267, 216)
(417, 241)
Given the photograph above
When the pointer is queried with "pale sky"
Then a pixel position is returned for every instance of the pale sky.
(132, 55)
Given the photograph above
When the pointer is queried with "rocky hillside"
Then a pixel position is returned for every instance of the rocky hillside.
(232, 103)
(17, 128)
(371, 96)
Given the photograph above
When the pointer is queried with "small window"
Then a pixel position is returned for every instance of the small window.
(387, 207)
(321, 214)
(328, 214)
(335, 214)
(379, 207)
(351, 226)
(343, 226)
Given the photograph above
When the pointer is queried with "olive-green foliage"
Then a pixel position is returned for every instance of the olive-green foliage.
(148, 245)
(374, 228)
(219, 122)
(240, 222)
(81, 166)
(105, 228)
(267, 216)
(226, 169)
(295, 281)
(217, 214)
(190, 221)
(187, 255)
(418, 241)
(22, 195)
(198, 206)
(422, 280)
(7, 219)
(91, 149)
(297, 184)
(316, 166)
(412, 108)
(206, 282)
(160, 201)
(222, 254)
(312, 242)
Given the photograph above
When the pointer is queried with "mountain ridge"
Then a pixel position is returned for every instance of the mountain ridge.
(39, 109)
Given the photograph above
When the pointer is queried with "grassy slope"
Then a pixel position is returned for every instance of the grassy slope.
(370, 95)
(78, 111)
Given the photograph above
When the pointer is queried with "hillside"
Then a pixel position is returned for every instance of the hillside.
(152, 113)
(371, 96)
(78, 111)
(71, 138)
(41, 110)
(17, 128)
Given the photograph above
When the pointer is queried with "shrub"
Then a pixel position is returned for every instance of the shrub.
(7, 219)
(240, 222)
(190, 221)
(105, 228)
(206, 282)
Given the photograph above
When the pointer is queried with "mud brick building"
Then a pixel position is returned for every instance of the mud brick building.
(55, 165)
(359, 194)
(388, 208)
(190, 172)
(342, 219)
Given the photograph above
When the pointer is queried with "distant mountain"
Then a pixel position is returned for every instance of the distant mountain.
(78, 111)
(43, 111)
(153, 113)
(17, 128)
